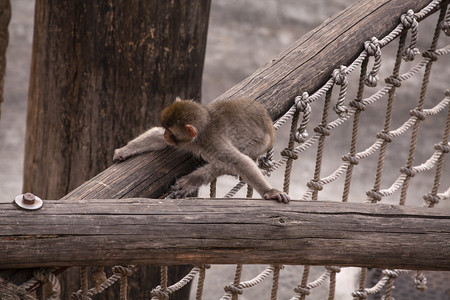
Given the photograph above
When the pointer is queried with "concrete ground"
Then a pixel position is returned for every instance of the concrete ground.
(243, 35)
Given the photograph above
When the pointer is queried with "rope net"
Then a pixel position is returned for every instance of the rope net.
(337, 115)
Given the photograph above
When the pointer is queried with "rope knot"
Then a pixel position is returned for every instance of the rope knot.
(351, 159)
(302, 105)
(408, 171)
(301, 102)
(361, 294)
(374, 195)
(445, 148)
(231, 288)
(371, 80)
(322, 129)
(340, 109)
(393, 80)
(300, 136)
(408, 20)
(159, 294)
(359, 105)
(289, 154)
(384, 136)
(390, 273)
(333, 269)
(430, 54)
(418, 114)
(420, 281)
(431, 199)
(266, 162)
(409, 53)
(315, 185)
(121, 270)
(372, 47)
(302, 291)
(340, 75)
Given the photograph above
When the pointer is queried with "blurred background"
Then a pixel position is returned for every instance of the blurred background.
(243, 35)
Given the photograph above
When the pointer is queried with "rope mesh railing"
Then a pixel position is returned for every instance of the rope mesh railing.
(300, 117)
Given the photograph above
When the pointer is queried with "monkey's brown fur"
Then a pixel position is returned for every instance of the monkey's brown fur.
(229, 135)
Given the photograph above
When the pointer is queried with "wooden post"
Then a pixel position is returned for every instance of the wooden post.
(5, 17)
(231, 231)
(101, 73)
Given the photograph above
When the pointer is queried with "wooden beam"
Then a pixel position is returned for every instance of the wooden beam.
(237, 231)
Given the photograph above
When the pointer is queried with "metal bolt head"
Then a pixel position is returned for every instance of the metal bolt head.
(28, 198)
(28, 201)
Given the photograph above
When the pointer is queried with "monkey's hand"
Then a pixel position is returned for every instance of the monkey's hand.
(277, 195)
(122, 154)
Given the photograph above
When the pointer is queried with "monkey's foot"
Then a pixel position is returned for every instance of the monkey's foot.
(178, 192)
(277, 195)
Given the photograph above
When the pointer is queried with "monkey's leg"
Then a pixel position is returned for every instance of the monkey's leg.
(230, 158)
(151, 140)
(189, 184)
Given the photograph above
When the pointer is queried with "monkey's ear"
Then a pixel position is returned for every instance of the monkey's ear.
(178, 99)
(191, 130)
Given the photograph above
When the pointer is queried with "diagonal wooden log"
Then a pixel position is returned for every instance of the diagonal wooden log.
(217, 231)
(304, 66)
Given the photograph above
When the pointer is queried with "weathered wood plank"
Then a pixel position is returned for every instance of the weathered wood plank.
(198, 231)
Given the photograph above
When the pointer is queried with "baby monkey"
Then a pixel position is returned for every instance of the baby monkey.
(229, 135)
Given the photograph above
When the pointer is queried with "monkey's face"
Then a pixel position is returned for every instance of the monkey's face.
(179, 135)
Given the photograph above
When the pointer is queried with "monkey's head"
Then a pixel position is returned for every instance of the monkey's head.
(183, 120)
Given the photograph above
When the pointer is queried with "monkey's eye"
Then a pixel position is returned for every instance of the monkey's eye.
(173, 138)
(170, 137)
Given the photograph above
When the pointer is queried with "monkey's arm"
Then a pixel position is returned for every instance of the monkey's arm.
(151, 140)
(227, 157)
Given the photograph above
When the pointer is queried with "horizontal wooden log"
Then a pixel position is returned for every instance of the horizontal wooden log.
(198, 231)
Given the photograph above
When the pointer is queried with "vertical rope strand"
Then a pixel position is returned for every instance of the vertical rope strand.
(249, 191)
(163, 278)
(213, 188)
(84, 280)
(321, 145)
(304, 282)
(359, 95)
(332, 290)
(426, 78)
(290, 147)
(393, 79)
(237, 280)
(276, 279)
(431, 198)
(123, 287)
(201, 282)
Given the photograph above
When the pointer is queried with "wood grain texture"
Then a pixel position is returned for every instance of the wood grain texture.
(198, 231)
